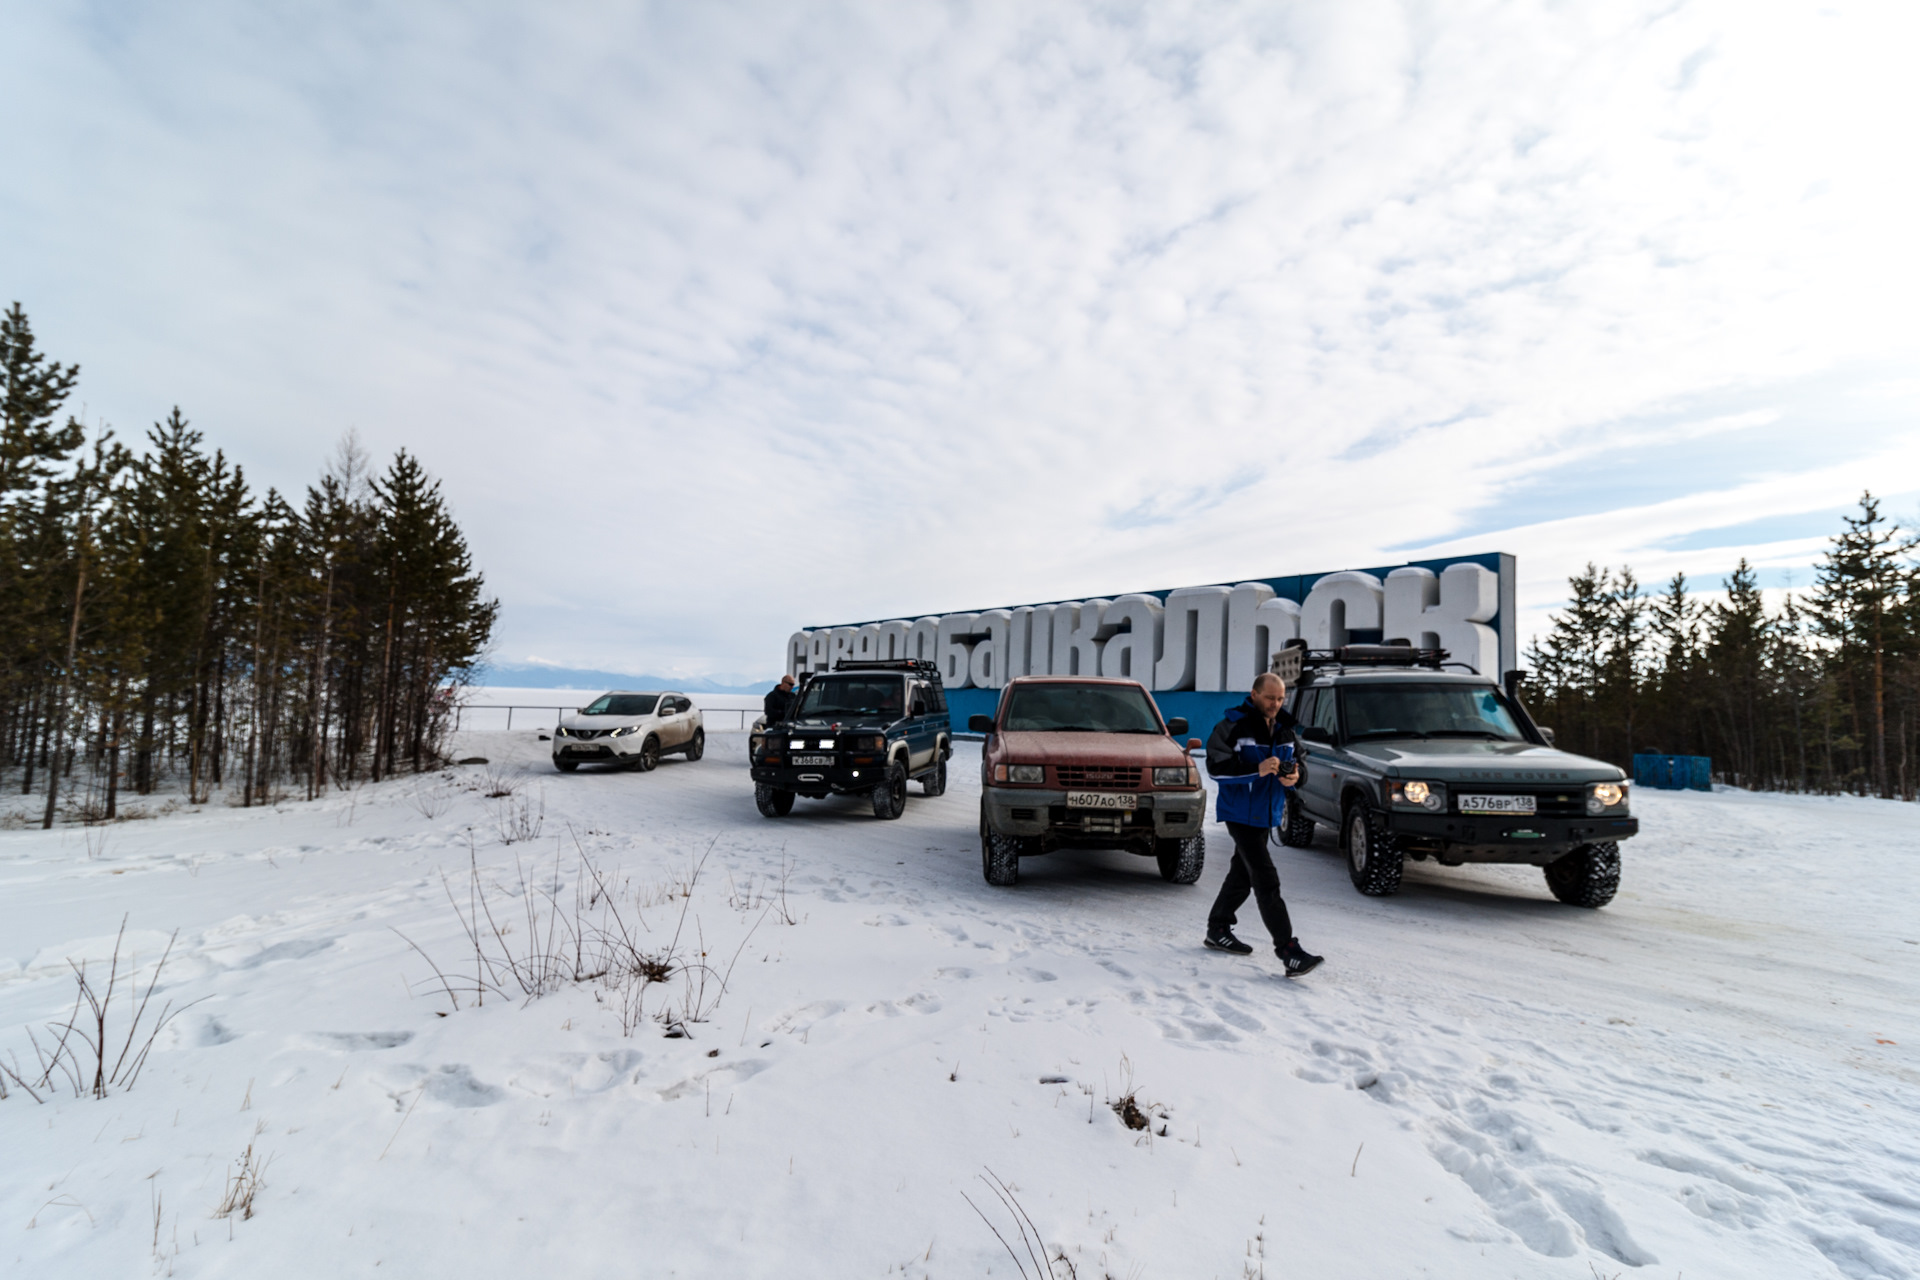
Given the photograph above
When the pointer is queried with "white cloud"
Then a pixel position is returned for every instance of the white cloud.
(722, 319)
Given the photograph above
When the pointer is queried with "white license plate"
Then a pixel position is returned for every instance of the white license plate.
(829, 760)
(1496, 804)
(1102, 800)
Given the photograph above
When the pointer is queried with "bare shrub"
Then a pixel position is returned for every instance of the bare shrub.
(243, 1184)
(1056, 1267)
(431, 801)
(495, 785)
(553, 936)
(517, 820)
(89, 1050)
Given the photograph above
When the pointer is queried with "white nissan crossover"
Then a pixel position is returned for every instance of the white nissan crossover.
(629, 729)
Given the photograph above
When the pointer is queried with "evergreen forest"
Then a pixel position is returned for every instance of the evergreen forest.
(164, 627)
(1820, 694)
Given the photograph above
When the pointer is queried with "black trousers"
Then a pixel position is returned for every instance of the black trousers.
(1252, 872)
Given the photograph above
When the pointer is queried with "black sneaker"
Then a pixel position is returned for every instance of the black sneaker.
(1223, 940)
(1296, 959)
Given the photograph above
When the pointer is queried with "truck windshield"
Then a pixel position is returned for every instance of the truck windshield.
(621, 704)
(843, 696)
(1427, 711)
(1081, 708)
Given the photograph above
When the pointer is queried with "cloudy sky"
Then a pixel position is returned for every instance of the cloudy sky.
(721, 319)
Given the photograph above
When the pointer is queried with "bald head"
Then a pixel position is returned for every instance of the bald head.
(1268, 692)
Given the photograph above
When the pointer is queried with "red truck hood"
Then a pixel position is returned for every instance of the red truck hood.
(1131, 750)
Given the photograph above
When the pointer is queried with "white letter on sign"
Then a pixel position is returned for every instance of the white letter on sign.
(1446, 613)
(1194, 647)
(1132, 653)
(987, 667)
(1339, 603)
(1258, 624)
(956, 656)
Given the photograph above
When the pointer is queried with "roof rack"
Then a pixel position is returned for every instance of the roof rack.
(915, 666)
(1296, 661)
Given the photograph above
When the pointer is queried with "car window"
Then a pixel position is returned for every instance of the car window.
(936, 700)
(621, 704)
(1429, 711)
(853, 695)
(1326, 713)
(1081, 708)
(1303, 705)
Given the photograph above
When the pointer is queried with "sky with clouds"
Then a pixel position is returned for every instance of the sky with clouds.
(721, 319)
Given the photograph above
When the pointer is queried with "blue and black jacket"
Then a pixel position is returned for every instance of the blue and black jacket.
(1234, 752)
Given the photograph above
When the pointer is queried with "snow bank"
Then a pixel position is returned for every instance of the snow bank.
(1713, 1076)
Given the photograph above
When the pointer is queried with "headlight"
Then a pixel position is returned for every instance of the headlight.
(1028, 773)
(561, 731)
(1415, 794)
(756, 742)
(623, 732)
(872, 742)
(1602, 796)
(1182, 776)
(826, 744)
(798, 744)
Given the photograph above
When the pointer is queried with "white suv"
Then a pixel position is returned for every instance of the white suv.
(629, 729)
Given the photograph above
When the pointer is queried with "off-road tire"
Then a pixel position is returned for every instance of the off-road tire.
(1000, 858)
(890, 796)
(934, 783)
(697, 745)
(771, 801)
(1374, 860)
(1296, 828)
(1587, 877)
(566, 766)
(1181, 861)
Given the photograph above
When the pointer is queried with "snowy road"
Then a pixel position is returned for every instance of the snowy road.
(1714, 1076)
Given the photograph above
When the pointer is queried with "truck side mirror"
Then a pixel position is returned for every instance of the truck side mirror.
(1314, 733)
(1545, 733)
(1176, 726)
(979, 724)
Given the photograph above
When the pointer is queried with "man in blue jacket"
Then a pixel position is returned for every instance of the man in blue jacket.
(1254, 756)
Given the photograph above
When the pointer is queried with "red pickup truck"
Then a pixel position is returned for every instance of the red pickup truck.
(1079, 762)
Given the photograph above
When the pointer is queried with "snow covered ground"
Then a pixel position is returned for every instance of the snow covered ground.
(1715, 1076)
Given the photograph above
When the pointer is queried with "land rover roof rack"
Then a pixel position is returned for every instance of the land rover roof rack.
(915, 666)
(1296, 662)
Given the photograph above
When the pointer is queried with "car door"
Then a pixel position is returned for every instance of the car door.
(1323, 720)
(673, 720)
(920, 729)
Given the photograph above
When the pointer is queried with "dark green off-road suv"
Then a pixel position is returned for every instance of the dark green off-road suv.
(1412, 759)
(863, 728)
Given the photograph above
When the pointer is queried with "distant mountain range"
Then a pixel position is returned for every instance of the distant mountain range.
(523, 676)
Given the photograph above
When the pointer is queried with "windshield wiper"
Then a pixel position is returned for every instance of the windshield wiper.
(1387, 733)
(1475, 733)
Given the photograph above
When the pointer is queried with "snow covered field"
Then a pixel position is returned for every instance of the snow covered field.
(1715, 1076)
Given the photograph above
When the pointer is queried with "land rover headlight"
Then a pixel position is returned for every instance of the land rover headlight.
(1602, 796)
(1415, 794)
(1024, 773)
(1179, 776)
(756, 742)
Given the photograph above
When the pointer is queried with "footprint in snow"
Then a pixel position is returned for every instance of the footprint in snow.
(886, 920)
(356, 1041)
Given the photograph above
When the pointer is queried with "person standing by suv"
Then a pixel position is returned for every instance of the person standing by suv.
(779, 700)
(1254, 755)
